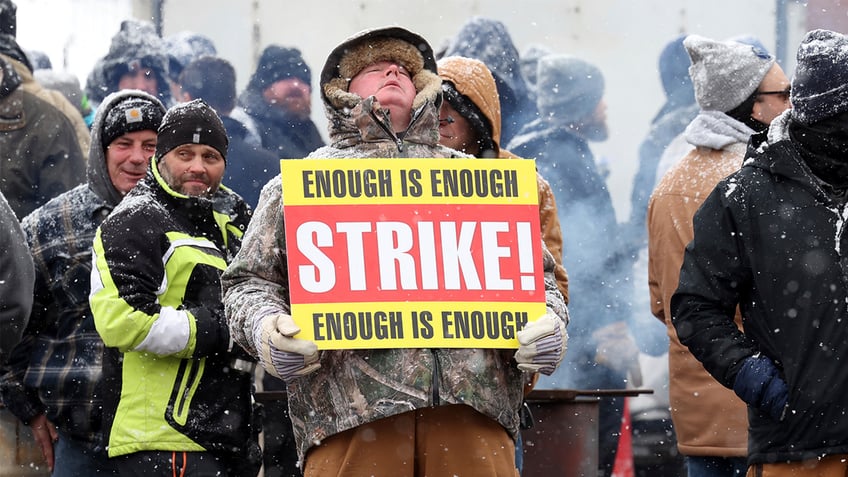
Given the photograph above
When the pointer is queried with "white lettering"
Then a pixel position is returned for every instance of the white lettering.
(321, 277)
(456, 256)
(494, 252)
(394, 241)
(405, 252)
(355, 251)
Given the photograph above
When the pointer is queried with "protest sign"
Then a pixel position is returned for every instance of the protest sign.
(391, 253)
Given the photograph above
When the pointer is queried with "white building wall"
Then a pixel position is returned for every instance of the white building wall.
(623, 37)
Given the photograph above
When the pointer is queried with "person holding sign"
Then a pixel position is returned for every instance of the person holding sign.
(399, 411)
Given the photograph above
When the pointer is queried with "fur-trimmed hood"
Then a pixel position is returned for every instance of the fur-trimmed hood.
(370, 46)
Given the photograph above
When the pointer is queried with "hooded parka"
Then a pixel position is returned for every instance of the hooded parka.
(771, 239)
(480, 87)
(355, 387)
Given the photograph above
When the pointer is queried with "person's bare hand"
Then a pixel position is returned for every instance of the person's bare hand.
(45, 435)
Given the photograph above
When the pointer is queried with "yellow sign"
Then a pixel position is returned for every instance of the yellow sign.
(386, 253)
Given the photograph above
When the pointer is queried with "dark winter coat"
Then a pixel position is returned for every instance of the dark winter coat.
(54, 98)
(672, 118)
(320, 403)
(171, 381)
(40, 156)
(285, 135)
(597, 265)
(248, 167)
(771, 239)
(57, 367)
(489, 41)
(16, 279)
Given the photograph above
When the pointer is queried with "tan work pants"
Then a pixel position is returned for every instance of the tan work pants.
(829, 466)
(439, 441)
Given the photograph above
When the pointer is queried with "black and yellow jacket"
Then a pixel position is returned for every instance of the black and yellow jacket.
(173, 381)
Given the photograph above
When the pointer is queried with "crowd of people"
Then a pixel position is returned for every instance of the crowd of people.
(145, 285)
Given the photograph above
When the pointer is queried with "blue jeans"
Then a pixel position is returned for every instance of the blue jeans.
(74, 459)
(716, 466)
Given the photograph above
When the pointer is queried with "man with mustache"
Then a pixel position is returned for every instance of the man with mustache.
(177, 399)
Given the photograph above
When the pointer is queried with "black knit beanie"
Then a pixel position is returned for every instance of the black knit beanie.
(194, 122)
(820, 84)
(130, 115)
(277, 63)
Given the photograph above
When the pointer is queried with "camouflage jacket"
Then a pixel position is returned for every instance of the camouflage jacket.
(354, 387)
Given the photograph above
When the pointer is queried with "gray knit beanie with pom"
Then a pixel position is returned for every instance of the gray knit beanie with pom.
(725, 73)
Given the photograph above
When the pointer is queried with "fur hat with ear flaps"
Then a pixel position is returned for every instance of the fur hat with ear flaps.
(381, 44)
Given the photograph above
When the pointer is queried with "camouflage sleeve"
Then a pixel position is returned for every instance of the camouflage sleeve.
(256, 282)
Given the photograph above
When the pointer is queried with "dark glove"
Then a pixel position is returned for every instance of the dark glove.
(759, 384)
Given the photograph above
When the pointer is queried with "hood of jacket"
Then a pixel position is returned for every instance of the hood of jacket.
(354, 120)
(473, 79)
(489, 41)
(136, 41)
(777, 154)
(97, 171)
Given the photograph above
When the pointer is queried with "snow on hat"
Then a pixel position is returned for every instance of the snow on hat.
(277, 63)
(184, 47)
(194, 122)
(136, 45)
(567, 87)
(131, 114)
(725, 73)
(820, 85)
(371, 46)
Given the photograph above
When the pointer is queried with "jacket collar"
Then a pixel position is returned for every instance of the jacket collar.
(369, 123)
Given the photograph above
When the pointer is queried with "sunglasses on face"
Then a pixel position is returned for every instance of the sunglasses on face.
(784, 92)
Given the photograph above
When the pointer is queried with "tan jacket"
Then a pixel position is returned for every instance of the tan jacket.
(55, 98)
(709, 419)
(472, 79)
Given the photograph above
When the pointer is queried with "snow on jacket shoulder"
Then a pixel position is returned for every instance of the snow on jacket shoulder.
(770, 239)
(171, 381)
